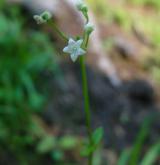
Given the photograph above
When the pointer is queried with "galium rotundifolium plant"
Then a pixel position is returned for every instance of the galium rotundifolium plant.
(76, 48)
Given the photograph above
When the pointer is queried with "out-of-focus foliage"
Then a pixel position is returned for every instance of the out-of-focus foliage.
(152, 63)
(126, 17)
(131, 156)
(143, 15)
(153, 3)
(24, 55)
(97, 136)
(58, 147)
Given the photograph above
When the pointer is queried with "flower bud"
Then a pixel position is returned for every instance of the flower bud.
(38, 19)
(46, 15)
(42, 18)
(81, 6)
(89, 28)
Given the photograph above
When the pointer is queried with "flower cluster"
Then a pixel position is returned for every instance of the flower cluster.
(74, 47)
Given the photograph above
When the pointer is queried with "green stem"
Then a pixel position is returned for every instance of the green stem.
(86, 98)
(86, 105)
(85, 87)
(55, 27)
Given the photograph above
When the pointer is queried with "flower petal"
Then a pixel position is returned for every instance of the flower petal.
(79, 43)
(71, 42)
(74, 57)
(80, 51)
(66, 50)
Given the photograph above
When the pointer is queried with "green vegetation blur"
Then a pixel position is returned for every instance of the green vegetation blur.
(140, 14)
(26, 54)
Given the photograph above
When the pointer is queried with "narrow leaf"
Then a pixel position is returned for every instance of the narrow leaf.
(151, 155)
(144, 132)
(46, 144)
(124, 157)
(97, 136)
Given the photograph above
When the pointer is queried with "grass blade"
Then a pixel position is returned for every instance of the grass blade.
(151, 155)
(124, 157)
(144, 131)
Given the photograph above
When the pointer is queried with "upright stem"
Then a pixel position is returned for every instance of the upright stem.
(86, 106)
(84, 85)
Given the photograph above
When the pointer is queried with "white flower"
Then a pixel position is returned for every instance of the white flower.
(74, 49)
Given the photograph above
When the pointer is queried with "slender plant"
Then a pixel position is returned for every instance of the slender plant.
(77, 47)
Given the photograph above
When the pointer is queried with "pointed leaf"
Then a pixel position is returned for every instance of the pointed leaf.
(97, 136)
(151, 155)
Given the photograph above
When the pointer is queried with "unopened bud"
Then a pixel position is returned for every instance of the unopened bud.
(89, 27)
(42, 18)
(81, 6)
(46, 15)
(38, 19)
